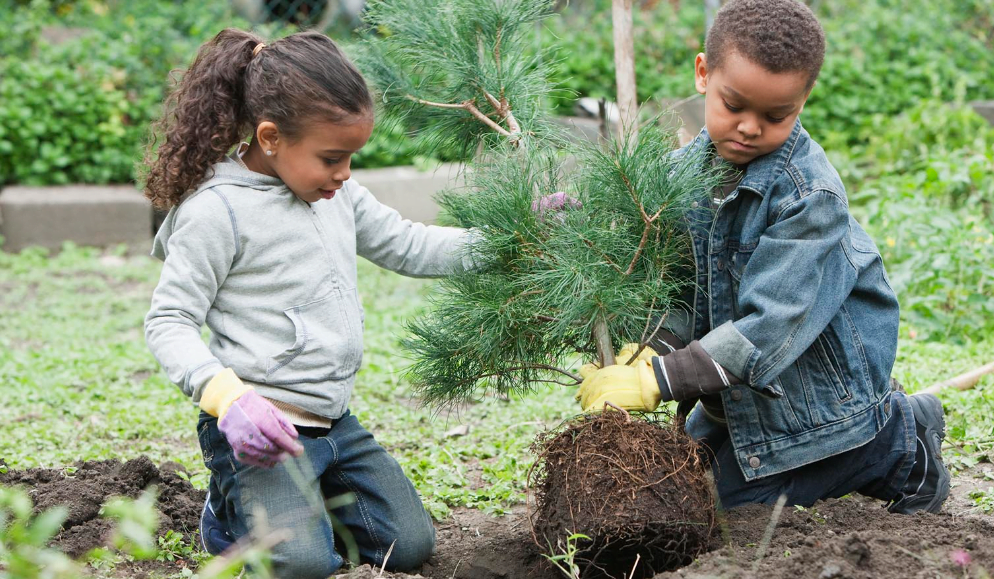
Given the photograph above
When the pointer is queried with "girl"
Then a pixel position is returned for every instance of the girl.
(261, 245)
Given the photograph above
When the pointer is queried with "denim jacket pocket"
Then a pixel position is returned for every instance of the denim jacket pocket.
(832, 366)
(738, 258)
(327, 344)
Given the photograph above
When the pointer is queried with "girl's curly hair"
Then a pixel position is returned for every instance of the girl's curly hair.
(231, 87)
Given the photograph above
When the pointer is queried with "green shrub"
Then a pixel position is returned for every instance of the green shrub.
(666, 42)
(390, 145)
(79, 111)
(930, 206)
(881, 58)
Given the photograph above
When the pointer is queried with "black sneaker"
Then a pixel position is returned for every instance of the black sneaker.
(928, 483)
(214, 538)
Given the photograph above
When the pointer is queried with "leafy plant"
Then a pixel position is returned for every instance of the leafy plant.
(175, 546)
(984, 500)
(930, 208)
(24, 539)
(666, 41)
(563, 556)
(882, 59)
(136, 521)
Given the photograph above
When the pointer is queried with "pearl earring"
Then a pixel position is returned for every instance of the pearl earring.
(269, 153)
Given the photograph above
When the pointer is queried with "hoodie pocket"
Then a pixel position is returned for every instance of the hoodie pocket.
(327, 342)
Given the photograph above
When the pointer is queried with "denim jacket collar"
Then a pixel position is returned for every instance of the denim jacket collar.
(764, 170)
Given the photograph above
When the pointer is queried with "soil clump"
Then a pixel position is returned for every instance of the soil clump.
(637, 488)
(87, 486)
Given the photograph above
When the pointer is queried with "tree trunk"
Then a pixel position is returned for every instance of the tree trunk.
(710, 8)
(605, 349)
(624, 67)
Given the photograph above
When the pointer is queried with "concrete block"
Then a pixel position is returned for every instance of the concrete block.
(408, 190)
(97, 215)
(984, 109)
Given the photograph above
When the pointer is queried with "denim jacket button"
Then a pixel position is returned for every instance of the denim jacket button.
(754, 462)
(721, 265)
(736, 395)
(694, 205)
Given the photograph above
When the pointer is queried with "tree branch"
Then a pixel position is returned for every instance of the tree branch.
(503, 109)
(527, 366)
(638, 252)
(470, 107)
(591, 245)
(530, 366)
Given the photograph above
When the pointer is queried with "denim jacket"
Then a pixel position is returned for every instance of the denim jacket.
(793, 298)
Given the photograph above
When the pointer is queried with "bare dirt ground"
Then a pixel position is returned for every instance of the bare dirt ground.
(850, 538)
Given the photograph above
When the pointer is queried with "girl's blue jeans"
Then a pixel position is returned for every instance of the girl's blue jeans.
(345, 461)
(877, 469)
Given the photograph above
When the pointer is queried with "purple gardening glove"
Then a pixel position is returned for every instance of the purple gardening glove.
(258, 432)
(555, 202)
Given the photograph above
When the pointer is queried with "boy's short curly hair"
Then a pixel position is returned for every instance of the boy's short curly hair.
(779, 35)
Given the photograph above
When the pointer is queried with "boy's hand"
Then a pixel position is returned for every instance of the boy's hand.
(630, 387)
(690, 372)
(257, 431)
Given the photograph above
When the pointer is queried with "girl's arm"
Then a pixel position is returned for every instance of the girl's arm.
(197, 244)
(401, 245)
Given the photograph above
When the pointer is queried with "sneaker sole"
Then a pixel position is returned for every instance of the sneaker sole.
(928, 410)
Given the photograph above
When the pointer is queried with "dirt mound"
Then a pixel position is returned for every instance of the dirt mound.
(85, 487)
(637, 488)
(852, 538)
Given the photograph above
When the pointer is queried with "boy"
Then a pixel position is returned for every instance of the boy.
(793, 332)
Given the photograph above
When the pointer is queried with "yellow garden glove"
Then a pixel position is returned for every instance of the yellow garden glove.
(221, 392)
(630, 387)
(628, 350)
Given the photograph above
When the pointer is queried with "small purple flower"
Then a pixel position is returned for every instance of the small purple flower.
(960, 557)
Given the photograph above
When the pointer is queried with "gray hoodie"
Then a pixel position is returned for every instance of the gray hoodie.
(274, 278)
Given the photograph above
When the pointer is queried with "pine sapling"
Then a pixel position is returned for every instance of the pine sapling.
(601, 268)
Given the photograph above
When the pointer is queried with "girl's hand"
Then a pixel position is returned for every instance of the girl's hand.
(258, 432)
(555, 202)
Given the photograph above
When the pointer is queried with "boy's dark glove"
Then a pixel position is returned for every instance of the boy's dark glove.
(665, 342)
(689, 373)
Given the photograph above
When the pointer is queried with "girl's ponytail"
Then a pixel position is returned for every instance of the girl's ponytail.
(202, 119)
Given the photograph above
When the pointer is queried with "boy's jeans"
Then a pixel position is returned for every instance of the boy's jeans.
(877, 469)
(343, 460)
